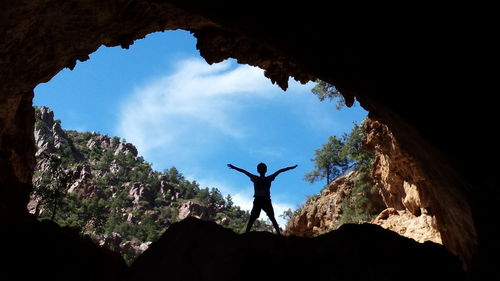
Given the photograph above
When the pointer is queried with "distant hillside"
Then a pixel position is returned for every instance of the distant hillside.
(100, 186)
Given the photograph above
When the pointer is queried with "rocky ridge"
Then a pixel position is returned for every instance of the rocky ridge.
(116, 196)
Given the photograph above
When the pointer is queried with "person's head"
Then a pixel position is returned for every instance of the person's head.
(262, 168)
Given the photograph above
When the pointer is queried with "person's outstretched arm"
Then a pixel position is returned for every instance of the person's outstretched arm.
(283, 170)
(231, 166)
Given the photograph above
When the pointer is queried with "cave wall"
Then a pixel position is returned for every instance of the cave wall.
(418, 203)
(408, 67)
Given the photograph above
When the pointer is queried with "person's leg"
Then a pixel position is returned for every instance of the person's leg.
(268, 208)
(254, 214)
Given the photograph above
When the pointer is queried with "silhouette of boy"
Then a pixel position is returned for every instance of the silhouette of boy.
(262, 195)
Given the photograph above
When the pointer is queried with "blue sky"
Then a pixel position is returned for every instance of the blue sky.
(179, 111)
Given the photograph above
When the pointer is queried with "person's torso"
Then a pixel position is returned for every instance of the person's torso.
(262, 186)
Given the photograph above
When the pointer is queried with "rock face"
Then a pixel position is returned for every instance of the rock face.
(192, 209)
(198, 250)
(411, 81)
(322, 213)
(115, 241)
(401, 184)
(51, 139)
(421, 228)
(412, 210)
(54, 253)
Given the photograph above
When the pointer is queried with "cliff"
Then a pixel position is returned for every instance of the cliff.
(328, 210)
(402, 185)
(398, 203)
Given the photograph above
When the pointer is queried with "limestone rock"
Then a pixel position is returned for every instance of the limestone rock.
(192, 209)
(126, 147)
(420, 228)
(100, 142)
(81, 182)
(402, 184)
(49, 136)
(322, 213)
(141, 192)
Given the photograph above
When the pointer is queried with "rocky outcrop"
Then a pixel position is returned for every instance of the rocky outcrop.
(82, 179)
(126, 147)
(115, 242)
(81, 182)
(140, 192)
(49, 136)
(420, 228)
(401, 185)
(192, 209)
(413, 210)
(198, 250)
(321, 213)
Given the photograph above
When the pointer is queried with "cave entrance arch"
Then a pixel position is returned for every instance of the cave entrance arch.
(35, 48)
(97, 96)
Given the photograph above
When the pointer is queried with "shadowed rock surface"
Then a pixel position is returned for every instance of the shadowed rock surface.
(34, 250)
(199, 250)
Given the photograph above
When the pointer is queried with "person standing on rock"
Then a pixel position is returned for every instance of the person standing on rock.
(262, 194)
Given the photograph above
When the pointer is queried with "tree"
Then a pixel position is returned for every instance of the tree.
(357, 156)
(173, 175)
(53, 184)
(324, 91)
(229, 201)
(287, 214)
(216, 198)
(329, 161)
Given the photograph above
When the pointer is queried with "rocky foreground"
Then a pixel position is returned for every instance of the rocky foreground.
(193, 249)
(199, 250)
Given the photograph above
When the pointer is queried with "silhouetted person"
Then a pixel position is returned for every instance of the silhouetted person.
(262, 195)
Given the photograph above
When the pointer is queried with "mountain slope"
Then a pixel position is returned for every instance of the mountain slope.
(101, 187)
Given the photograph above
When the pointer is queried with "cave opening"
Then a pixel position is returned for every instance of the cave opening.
(154, 126)
(407, 81)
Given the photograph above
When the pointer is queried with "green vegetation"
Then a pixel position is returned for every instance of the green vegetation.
(329, 161)
(118, 192)
(340, 155)
(357, 207)
(52, 184)
(324, 91)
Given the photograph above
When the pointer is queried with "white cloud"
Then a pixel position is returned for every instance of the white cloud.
(198, 98)
(184, 115)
